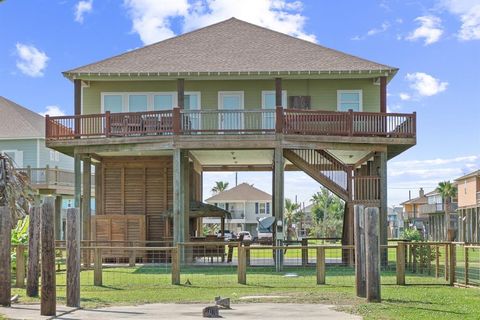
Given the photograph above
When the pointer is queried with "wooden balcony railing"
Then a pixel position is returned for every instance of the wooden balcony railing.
(50, 177)
(366, 188)
(259, 121)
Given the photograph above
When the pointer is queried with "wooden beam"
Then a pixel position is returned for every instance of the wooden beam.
(299, 162)
(58, 217)
(363, 159)
(197, 166)
(360, 253)
(5, 262)
(77, 103)
(33, 262)
(279, 205)
(73, 257)
(78, 180)
(180, 93)
(372, 246)
(48, 304)
(278, 92)
(87, 195)
(383, 94)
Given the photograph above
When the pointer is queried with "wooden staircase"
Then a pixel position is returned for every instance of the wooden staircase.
(323, 168)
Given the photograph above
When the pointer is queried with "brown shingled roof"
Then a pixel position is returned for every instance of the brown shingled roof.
(19, 122)
(242, 192)
(231, 46)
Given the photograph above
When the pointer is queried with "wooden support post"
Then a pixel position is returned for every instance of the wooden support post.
(447, 273)
(132, 258)
(78, 181)
(320, 265)
(20, 269)
(175, 266)
(242, 265)
(278, 92)
(181, 93)
(383, 219)
(48, 305)
(5, 262)
(58, 216)
(86, 207)
(304, 252)
(360, 255)
(383, 94)
(177, 199)
(73, 257)
(372, 246)
(97, 268)
(452, 263)
(401, 263)
(437, 261)
(278, 120)
(465, 255)
(278, 199)
(33, 251)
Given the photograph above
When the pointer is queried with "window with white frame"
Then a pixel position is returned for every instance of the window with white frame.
(262, 208)
(16, 156)
(54, 155)
(147, 101)
(349, 100)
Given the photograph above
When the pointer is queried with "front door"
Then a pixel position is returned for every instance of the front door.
(230, 105)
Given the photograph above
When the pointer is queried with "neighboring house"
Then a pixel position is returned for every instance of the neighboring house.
(245, 203)
(411, 211)
(22, 137)
(435, 212)
(232, 96)
(395, 222)
(469, 207)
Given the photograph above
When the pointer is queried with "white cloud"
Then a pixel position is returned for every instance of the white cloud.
(384, 27)
(31, 61)
(430, 30)
(53, 111)
(152, 19)
(469, 13)
(425, 85)
(404, 96)
(81, 8)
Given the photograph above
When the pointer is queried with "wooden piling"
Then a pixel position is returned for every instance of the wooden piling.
(304, 252)
(447, 273)
(175, 266)
(372, 246)
(97, 267)
(73, 257)
(5, 263)
(33, 264)
(359, 226)
(242, 265)
(401, 263)
(20, 268)
(437, 261)
(48, 292)
(465, 255)
(452, 263)
(320, 265)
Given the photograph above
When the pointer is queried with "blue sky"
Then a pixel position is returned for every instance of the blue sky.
(436, 45)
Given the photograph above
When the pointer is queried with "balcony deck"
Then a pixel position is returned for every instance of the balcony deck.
(233, 125)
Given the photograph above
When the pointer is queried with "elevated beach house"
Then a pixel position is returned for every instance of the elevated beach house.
(152, 120)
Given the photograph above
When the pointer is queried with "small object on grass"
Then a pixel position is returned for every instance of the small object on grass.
(290, 275)
(211, 312)
(188, 283)
(15, 298)
(224, 303)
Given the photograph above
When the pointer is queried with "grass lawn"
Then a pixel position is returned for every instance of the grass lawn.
(423, 297)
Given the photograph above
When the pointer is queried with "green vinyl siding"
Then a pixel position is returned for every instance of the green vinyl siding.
(323, 92)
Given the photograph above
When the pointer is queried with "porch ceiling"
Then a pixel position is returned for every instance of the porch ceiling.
(136, 153)
(233, 157)
(349, 156)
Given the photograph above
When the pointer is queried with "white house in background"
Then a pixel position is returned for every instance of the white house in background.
(246, 203)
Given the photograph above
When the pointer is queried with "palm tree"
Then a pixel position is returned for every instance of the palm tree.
(328, 213)
(219, 187)
(290, 212)
(448, 191)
